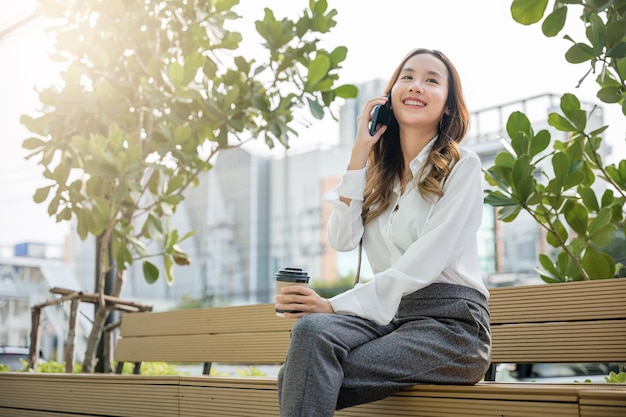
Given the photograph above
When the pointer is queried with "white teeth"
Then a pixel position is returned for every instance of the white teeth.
(414, 103)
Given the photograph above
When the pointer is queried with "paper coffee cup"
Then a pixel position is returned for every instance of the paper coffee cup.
(290, 276)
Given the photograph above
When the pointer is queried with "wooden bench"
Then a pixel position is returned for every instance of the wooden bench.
(557, 323)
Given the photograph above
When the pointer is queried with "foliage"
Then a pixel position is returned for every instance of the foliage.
(250, 371)
(151, 368)
(44, 367)
(579, 213)
(147, 368)
(151, 91)
(157, 101)
(330, 289)
(614, 378)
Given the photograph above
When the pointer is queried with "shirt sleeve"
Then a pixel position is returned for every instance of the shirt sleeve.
(345, 227)
(450, 229)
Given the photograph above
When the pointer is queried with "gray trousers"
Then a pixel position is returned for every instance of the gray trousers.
(440, 335)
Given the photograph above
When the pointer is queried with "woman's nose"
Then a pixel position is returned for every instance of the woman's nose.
(416, 87)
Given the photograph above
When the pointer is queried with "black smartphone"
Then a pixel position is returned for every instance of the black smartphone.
(382, 115)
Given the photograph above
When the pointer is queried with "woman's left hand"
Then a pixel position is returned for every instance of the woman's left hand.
(303, 299)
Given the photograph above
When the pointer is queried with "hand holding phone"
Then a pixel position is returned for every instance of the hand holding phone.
(382, 115)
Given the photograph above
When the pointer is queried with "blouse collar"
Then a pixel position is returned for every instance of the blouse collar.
(422, 157)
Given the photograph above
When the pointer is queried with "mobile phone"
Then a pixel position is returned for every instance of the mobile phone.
(382, 115)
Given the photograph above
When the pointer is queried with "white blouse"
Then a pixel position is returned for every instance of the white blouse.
(415, 242)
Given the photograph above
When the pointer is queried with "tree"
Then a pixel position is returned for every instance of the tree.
(152, 90)
(580, 203)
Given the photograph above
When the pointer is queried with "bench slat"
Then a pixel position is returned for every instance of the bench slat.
(238, 319)
(237, 348)
(223, 395)
(603, 299)
(102, 395)
(560, 342)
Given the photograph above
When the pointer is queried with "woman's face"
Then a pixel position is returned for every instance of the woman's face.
(419, 96)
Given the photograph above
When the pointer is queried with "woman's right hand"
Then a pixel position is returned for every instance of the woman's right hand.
(364, 142)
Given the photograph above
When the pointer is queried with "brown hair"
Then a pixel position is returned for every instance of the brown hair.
(386, 163)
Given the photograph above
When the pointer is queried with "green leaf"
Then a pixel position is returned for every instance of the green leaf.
(518, 122)
(588, 197)
(579, 119)
(540, 142)
(598, 265)
(242, 64)
(561, 123)
(347, 91)
(150, 272)
(610, 94)
(558, 235)
(607, 198)
(548, 266)
(504, 159)
(577, 217)
(316, 109)
(318, 68)
(520, 144)
(500, 176)
(618, 173)
(497, 199)
(617, 51)
(524, 189)
(33, 143)
(176, 73)
(509, 213)
(123, 256)
(573, 179)
(528, 12)
(41, 194)
(603, 236)
(569, 103)
(338, 55)
(602, 219)
(169, 269)
(182, 133)
(560, 165)
(615, 31)
(521, 168)
(554, 22)
(578, 53)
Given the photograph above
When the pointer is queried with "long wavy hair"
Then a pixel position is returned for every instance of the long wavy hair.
(386, 162)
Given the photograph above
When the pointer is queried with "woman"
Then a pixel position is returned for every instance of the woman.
(414, 197)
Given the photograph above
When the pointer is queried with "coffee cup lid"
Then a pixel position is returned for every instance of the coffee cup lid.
(292, 274)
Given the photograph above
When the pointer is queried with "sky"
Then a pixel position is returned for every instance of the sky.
(499, 61)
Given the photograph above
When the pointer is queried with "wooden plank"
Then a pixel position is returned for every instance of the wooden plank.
(609, 401)
(87, 394)
(235, 396)
(235, 319)
(426, 407)
(239, 348)
(14, 412)
(596, 341)
(251, 396)
(585, 300)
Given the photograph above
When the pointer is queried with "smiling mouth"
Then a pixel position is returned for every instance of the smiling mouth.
(411, 102)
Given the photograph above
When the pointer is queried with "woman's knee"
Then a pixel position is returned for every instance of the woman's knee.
(311, 324)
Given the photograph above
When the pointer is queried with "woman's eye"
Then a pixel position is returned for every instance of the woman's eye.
(432, 80)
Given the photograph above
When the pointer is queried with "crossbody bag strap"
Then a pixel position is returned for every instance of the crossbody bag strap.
(358, 265)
